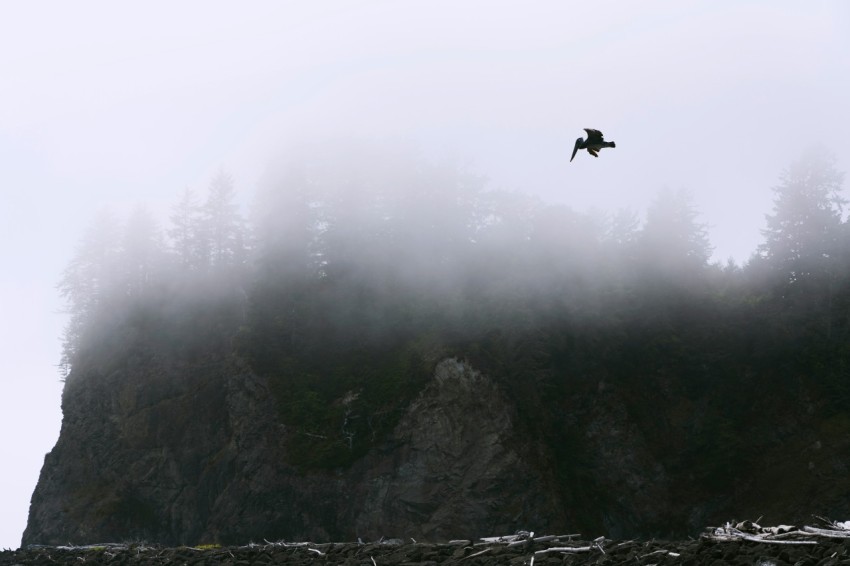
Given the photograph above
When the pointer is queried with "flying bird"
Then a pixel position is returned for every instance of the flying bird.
(592, 144)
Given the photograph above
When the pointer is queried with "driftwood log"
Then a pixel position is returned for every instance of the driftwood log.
(783, 534)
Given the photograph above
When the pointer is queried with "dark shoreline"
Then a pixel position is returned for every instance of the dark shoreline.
(826, 552)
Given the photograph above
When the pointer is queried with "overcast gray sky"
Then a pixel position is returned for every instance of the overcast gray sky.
(115, 103)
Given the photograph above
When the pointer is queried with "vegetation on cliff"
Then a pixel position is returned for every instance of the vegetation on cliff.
(359, 268)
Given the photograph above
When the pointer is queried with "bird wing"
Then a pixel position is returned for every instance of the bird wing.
(575, 149)
(593, 136)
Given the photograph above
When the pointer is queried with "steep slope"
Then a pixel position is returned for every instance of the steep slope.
(182, 455)
(197, 454)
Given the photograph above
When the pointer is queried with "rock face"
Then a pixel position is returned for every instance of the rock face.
(186, 455)
(456, 466)
(197, 454)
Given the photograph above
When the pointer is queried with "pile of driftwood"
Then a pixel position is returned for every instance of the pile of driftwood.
(782, 534)
(562, 543)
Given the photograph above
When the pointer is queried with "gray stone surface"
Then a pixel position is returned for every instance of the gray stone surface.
(181, 456)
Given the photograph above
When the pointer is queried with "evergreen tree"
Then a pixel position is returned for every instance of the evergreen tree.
(142, 254)
(89, 283)
(803, 233)
(186, 232)
(673, 242)
(285, 224)
(286, 262)
(623, 229)
(223, 225)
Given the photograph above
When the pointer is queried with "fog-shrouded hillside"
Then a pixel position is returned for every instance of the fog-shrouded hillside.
(375, 228)
(643, 389)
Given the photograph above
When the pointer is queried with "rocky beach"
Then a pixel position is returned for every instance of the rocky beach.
(717, 547)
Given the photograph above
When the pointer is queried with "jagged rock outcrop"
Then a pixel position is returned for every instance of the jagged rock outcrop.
(178, 454)
(181, 455)
(455, 467)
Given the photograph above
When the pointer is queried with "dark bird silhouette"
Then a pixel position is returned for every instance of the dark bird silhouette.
(592, 144)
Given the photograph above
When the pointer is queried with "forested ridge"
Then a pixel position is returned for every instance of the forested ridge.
(355, 271)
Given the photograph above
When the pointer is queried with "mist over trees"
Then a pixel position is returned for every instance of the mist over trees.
(357, 265)
(380, 225)
(805, 234)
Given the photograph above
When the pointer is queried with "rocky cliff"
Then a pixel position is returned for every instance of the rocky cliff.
(183, 455)
(198, 454)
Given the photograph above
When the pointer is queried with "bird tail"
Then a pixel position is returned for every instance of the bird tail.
(612, 144)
